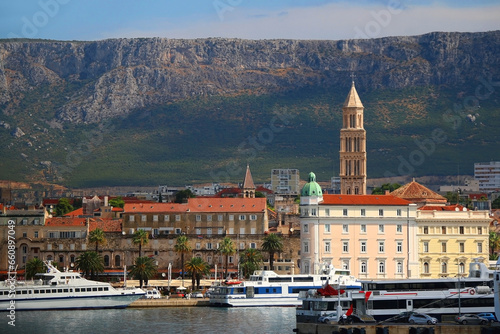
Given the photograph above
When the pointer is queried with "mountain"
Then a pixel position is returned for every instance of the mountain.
(162, 111)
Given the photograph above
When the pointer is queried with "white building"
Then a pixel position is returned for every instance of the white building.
(488, 175)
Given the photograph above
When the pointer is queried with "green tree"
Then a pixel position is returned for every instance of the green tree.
(250, 261)
(182, 196)
(34, 266)
(496, 203)
(197, 267)
(386, 186)
(91, 263)
(144, 269)
(63, 207)
(226, 248)
(272, 243)
(97, 236)
(140, 238)
(494, 242)
(117, 202)
(182, 247)
(452, 197)
(259, 194)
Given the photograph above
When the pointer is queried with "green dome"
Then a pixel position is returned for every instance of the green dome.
(311, 188)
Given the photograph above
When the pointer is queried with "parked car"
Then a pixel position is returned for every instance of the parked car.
(328, 318)
(403, 317)
(420, 318)
(470, 319)
(153, 294)
(196, 295)
(355, 319)
(489, 316)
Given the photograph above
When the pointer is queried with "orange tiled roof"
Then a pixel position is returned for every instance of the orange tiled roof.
(75, 213)
(201, 204)
(453, 207)
(416, 192)
(107, 225)
(65, 221)
(362, 200)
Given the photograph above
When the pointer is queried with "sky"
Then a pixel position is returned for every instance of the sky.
(248, 19)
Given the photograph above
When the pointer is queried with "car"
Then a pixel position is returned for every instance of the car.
(355, 319)
(470, 319)
(420, 318)
(490, 316)
(153, 294)
(196, 295)
(328, 318)
(403, 317)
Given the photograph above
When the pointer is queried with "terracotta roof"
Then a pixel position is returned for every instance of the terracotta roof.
(107, 225)
(202, 204)
(478, 196)
(264, 190)
(66, 221)
(362, 200)
(453, 207)
(75, 213)
(415, 192)
(248, 182)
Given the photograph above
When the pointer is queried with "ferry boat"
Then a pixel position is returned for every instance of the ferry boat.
(266, 288)
(384, 300)
(56, 290)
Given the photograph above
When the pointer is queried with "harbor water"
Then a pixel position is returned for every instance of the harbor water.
(155, 320)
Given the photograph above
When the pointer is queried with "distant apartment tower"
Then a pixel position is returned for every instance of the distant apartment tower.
(285, 182)
(488, 175)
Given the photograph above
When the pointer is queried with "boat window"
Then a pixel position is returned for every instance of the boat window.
(280, 279)
(106, 289)
(42, 291)
(77, 289)
(36, 291)
(59, 290)
(94, 289)
(100, 289)
(54, 290)
(66, 290)
(24, 292)
(303, 279)
(89, 289)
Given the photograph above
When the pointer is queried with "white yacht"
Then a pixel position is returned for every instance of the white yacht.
(266, 288)
(63, 290)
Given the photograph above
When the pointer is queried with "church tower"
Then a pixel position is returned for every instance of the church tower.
(248, 190)
(352, 146)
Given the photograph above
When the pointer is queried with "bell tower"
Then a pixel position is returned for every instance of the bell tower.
(352, 146)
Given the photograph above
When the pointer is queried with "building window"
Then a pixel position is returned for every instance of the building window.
(209, 231)
(399, 228)
(253, 245)
(327, 247)
(253, 217)
(166, 218)
(461, 230)
(461, 247)
(220, 218)
(381, 228)
(327, 212)
(426, 268)
(36, 234)
(25, 234)
(399, 247)
(155, 218)
(363, 246)
(443, 230)
(306, 247)
(381, 212)
(426, 230)
(209, 218)
(399, 267)
(231, 217)
(398, 212)
(106, 260)
(344, 212)
(327, 228)
(443, 247)
(381, 247)
(381, 267)
(363, 269)
(131, 218)
(144, 218)
(197, 230)
(479, 230)
(479, 247)
(313, 212)
(243, 217)
(177, 218)
(220, 230)
(345, 264)
(198, 246)
(363, 212)
(461, 268)
(117, 261)
(345, 228)
(345, 247)
(426, 247)
(198, 218)
(242, 230)
(363, 228)
(209, 245)
(444, 267)
(306, 228)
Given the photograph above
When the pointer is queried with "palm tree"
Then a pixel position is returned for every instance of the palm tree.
(197, 267)
(250, 261)
(144, 269)
(98, 237)
(182, 247)
(33, 267)
(226, 248)
(494, 242)
(90, 262)
(272, 243)
(140, 238)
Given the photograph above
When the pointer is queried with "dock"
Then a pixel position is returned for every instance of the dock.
(445, 328)
(169, 302)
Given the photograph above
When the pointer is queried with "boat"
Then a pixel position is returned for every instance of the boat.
(267, 288)
(56, 290)
(386, 299)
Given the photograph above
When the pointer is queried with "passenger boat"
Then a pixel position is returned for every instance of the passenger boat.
(266, 288)
(386, 299)
(63, 290)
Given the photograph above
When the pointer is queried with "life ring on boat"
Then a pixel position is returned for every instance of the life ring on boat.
(472, 291)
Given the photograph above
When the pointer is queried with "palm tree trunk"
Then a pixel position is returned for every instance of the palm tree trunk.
(227, 260)
(182, 265)
(271, 261)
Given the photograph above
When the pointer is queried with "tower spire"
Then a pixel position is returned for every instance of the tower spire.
(248, 185)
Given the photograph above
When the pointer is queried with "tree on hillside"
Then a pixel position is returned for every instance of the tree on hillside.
(63, 207)
(34, 266)
(183, 195)
(117, 202)
(97, 236)
(182, 247)
(386, 186)
(140, 238)
(226, 248)
(250, 261)
(272, 244)
(143, 270)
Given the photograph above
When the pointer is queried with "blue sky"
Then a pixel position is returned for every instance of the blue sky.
(249, 19)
